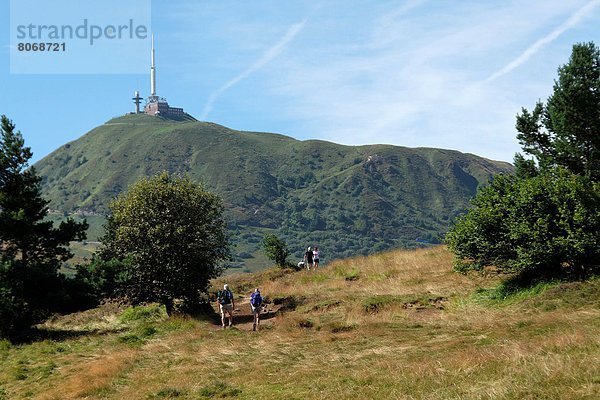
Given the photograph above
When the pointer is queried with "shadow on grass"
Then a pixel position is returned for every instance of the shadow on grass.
(212, 316)
(247, 318)
(524, 286)
(33, 335)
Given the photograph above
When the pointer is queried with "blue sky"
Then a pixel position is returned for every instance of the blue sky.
(447, 74)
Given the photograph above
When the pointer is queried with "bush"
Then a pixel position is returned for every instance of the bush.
(541, 227)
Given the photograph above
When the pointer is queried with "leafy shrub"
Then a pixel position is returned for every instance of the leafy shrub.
(540, 227)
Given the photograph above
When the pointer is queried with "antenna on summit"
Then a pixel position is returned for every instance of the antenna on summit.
(153, 72)
(156, 105)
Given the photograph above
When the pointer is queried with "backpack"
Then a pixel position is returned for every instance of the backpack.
(256, 299)
(224, 296)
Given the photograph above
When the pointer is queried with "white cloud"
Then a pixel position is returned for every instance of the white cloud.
(265, 58)
(549, 38)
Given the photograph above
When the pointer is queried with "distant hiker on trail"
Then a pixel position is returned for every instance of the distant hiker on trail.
(308, 258)
(226, 304)
(256, 301)
(316, 257)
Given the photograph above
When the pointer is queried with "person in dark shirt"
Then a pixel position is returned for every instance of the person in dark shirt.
(308, 258)
(226, 304)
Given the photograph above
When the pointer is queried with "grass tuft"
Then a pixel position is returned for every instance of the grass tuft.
(374, 304)
(288, 303)
(219, 390)
(339, 327)
(507, 293)
(5, 347)
(305, 324)
(167, 393)
(20, 371)
(145, 313)
(139, 335)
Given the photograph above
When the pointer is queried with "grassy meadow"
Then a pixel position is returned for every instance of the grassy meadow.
(397, 325)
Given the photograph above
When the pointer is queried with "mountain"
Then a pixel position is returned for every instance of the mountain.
(346, 199)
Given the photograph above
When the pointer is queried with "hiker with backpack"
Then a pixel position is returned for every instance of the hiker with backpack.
(256, 301)
(226, 304)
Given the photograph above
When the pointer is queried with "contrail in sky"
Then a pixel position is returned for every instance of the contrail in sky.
(267, 56)
(537, 46)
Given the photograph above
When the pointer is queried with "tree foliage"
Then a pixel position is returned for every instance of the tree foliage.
(541, 227)
(31, 248)
(276, 250)
(565, 130)
(544, 221)
(164, 241)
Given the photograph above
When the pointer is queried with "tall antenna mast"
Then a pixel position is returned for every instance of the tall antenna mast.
(153, 72)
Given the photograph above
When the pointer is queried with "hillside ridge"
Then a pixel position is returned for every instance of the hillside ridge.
(347, 199)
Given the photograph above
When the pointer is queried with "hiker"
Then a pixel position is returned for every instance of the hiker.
(256, 301)
(308, 258)
(316, 257)
(226, 304)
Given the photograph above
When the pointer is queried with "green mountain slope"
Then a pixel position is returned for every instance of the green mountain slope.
(346, 199)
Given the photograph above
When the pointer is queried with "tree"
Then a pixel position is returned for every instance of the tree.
(544, 222)
(566, 130)
(31, 248)
(276, 250)
(168, 235)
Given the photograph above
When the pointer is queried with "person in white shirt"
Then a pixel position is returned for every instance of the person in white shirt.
(316, 258)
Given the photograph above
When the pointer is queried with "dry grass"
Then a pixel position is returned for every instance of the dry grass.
(88, 379)
(400, 325)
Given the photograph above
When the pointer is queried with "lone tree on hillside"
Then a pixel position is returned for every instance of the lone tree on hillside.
(276, 250)
(31, 248)
(168, 234)
(544, 222)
